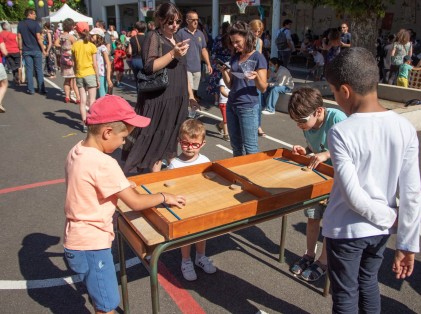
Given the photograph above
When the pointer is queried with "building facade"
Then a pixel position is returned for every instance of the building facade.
(124, 13)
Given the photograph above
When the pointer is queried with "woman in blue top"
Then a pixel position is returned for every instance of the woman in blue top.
(243, 101)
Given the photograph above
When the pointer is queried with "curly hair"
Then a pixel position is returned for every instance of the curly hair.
(243, 29)
(402, 37)
(355, 67)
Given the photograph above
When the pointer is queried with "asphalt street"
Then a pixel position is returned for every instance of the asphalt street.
(36, 134)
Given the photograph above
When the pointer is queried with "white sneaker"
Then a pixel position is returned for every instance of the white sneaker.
(268, 112)
(206, 264)
(187, 268)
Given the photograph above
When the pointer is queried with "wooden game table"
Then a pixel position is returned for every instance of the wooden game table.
(222, 197)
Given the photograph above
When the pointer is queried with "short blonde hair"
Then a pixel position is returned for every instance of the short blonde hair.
(192, 128)
(257, 26)
(118, 126)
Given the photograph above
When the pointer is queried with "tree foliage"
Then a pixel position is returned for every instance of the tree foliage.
(16, 12)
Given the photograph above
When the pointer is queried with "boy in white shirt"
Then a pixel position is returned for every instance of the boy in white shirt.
(319, 61)
(374, 154)
(192, 138)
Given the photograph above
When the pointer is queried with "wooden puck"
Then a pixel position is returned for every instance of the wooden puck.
(169, 184)
(235, 187)
(305, 169)
(209, 175)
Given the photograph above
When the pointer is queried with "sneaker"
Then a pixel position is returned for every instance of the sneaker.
(85, 129)
(2, 110)
(266, 112)
(226, 137)
(30, 92)
(187, 268)
(206, 264)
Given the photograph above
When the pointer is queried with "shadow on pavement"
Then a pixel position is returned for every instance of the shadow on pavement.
(35, 264)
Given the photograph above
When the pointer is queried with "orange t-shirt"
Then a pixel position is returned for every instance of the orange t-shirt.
(92, 180)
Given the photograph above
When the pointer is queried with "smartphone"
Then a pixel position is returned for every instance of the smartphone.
(185, 42)
(222, 63)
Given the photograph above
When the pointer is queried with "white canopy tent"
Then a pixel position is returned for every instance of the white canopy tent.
(64, 13)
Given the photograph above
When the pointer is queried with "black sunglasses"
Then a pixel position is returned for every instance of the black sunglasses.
(171, 22)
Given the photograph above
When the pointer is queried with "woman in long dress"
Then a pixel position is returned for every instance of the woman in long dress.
(146, 147)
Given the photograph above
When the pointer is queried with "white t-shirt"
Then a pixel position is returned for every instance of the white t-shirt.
(282, 77)
(178, 163)
(374, 155)
(222, 98)
(100, 60)
(318, 59)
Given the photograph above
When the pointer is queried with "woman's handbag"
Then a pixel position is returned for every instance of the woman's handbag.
(154, 82)
(66, 59)
(22, 72)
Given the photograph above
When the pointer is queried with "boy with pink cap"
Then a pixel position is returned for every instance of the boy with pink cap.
(94, 183)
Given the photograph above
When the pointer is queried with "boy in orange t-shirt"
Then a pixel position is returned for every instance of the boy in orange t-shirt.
(95, 182)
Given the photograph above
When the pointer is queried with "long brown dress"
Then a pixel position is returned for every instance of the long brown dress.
(167, 110)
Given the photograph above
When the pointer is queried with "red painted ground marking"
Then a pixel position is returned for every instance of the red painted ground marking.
(30, 186)
(174, 288)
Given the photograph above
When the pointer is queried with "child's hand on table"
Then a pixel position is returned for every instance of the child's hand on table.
(298, 150)
(316, 159)
(176, 200)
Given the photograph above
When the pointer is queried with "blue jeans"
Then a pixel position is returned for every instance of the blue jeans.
(284, 56)
(242, 128)
(137, 65)
(271, 96)
(353, 265)
(33, 59)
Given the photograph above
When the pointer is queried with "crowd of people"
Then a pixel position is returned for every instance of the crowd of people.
(167, 61)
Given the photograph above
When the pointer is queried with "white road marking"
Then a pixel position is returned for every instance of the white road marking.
(224, 148)
(278, 141)
(53, 84)
(53, 282)
(128, 85)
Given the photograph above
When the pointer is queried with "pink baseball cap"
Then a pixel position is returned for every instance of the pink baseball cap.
(81, 27)
(112, 108)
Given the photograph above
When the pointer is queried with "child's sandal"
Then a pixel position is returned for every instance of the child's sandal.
(314, 272)
(302, 264)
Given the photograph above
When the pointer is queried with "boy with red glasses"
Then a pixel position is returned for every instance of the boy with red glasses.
(306, 108)
(192, 139)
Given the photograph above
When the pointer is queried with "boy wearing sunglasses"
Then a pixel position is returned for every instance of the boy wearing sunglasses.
(305, 107)
(192, 138)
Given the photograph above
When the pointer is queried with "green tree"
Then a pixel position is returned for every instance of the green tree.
(74, 4)
(364, 18)
(14, 13)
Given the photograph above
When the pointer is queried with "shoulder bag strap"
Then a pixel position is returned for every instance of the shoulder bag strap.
(138, 45)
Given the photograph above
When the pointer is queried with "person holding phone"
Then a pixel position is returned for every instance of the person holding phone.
(146, 148)
(196, 52)
(243, 82)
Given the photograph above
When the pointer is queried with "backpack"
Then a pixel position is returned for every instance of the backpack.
(281, 40)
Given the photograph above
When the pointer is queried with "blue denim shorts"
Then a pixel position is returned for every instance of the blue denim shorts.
(316, 211)
(96, 269)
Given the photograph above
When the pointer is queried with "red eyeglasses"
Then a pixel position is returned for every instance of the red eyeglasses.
(185, 144)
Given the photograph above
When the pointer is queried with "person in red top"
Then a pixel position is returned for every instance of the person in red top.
(3, 75)
(13, 58)
(119, 56)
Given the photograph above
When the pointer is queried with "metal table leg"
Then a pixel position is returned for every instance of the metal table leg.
(283, 238)
(123, 274)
